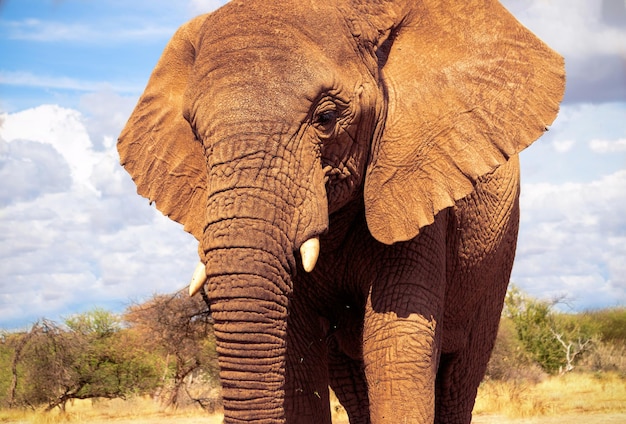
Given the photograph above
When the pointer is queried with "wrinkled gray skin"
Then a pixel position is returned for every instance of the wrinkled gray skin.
(390, 130)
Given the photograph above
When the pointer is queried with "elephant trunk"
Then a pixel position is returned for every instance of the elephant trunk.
(254, 225)
(249, 285)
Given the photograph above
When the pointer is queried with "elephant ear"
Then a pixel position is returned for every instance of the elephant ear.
(158, 147)
(468, 87)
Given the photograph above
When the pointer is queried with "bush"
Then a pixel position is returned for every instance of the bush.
(609, 324)
(606, 357)
(181, 328)
(554, 341)
(51, 365)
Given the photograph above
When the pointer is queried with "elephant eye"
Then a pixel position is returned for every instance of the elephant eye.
(326, 119)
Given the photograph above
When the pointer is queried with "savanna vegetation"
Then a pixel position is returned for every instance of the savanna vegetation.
(551, 363)
(158, 357)
(162, 348)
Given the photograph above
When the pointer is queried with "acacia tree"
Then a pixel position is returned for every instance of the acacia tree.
(12, 347)
(41, 365)
(15, 378)
(181, 327)
(109, 364)
(98, 323)
(91, 358)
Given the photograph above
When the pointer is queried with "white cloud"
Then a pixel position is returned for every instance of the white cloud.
(563, 146)
(53, 31)
(29, 79)
(573, 241)
(590, 34)
(106, 113)
(574, 28)
(73, 246)
(607, 146)
(565, 154)
(28, 169)
(60, 128)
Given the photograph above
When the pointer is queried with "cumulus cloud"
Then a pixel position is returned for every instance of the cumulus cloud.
(563, 146)
(573, 241)
(608, 146)
(60, 128)
(75, 232)
(29, 169)
(105, 113)
(576, 28)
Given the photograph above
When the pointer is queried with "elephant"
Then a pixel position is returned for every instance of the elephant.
(350, 170)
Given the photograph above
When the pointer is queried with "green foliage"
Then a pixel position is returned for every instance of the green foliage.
(608, 327)
(97, 322)
(6, 356)
(93, 358)
(110, 367)
(553, 340)
(608, 324)
(179, 327)
(163, 346)
(533, 334)
(508, 353)
(533, 322)
(46, 364)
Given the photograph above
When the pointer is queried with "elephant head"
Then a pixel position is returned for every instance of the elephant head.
(263, 118)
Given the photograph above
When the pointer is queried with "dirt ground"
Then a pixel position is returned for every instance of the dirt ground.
(491, 419)
(214, 419)
(569, 419)
(486, 419)
(561, 419)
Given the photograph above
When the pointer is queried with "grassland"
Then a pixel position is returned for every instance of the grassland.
(570, 394)
(572, 398)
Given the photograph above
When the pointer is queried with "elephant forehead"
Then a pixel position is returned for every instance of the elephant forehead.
(293, 38)
(266, 60)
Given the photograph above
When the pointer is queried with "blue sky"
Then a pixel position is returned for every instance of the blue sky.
(74, 235)
(54, 50)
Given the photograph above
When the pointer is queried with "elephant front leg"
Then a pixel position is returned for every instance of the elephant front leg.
(401, 366)
(402, 331)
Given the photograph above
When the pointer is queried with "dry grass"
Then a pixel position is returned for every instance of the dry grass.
(570, 395)
(560, 395)
(136, 410)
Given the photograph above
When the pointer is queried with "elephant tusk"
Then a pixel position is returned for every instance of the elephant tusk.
(310, 251)
(198, 279)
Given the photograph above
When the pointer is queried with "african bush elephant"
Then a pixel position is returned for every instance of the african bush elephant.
(350, 171)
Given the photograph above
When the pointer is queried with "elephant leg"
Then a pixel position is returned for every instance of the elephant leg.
(461, 372)
(402, 328)
(482, 237)
(347, 379)
(306, 393)
(467, 346)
